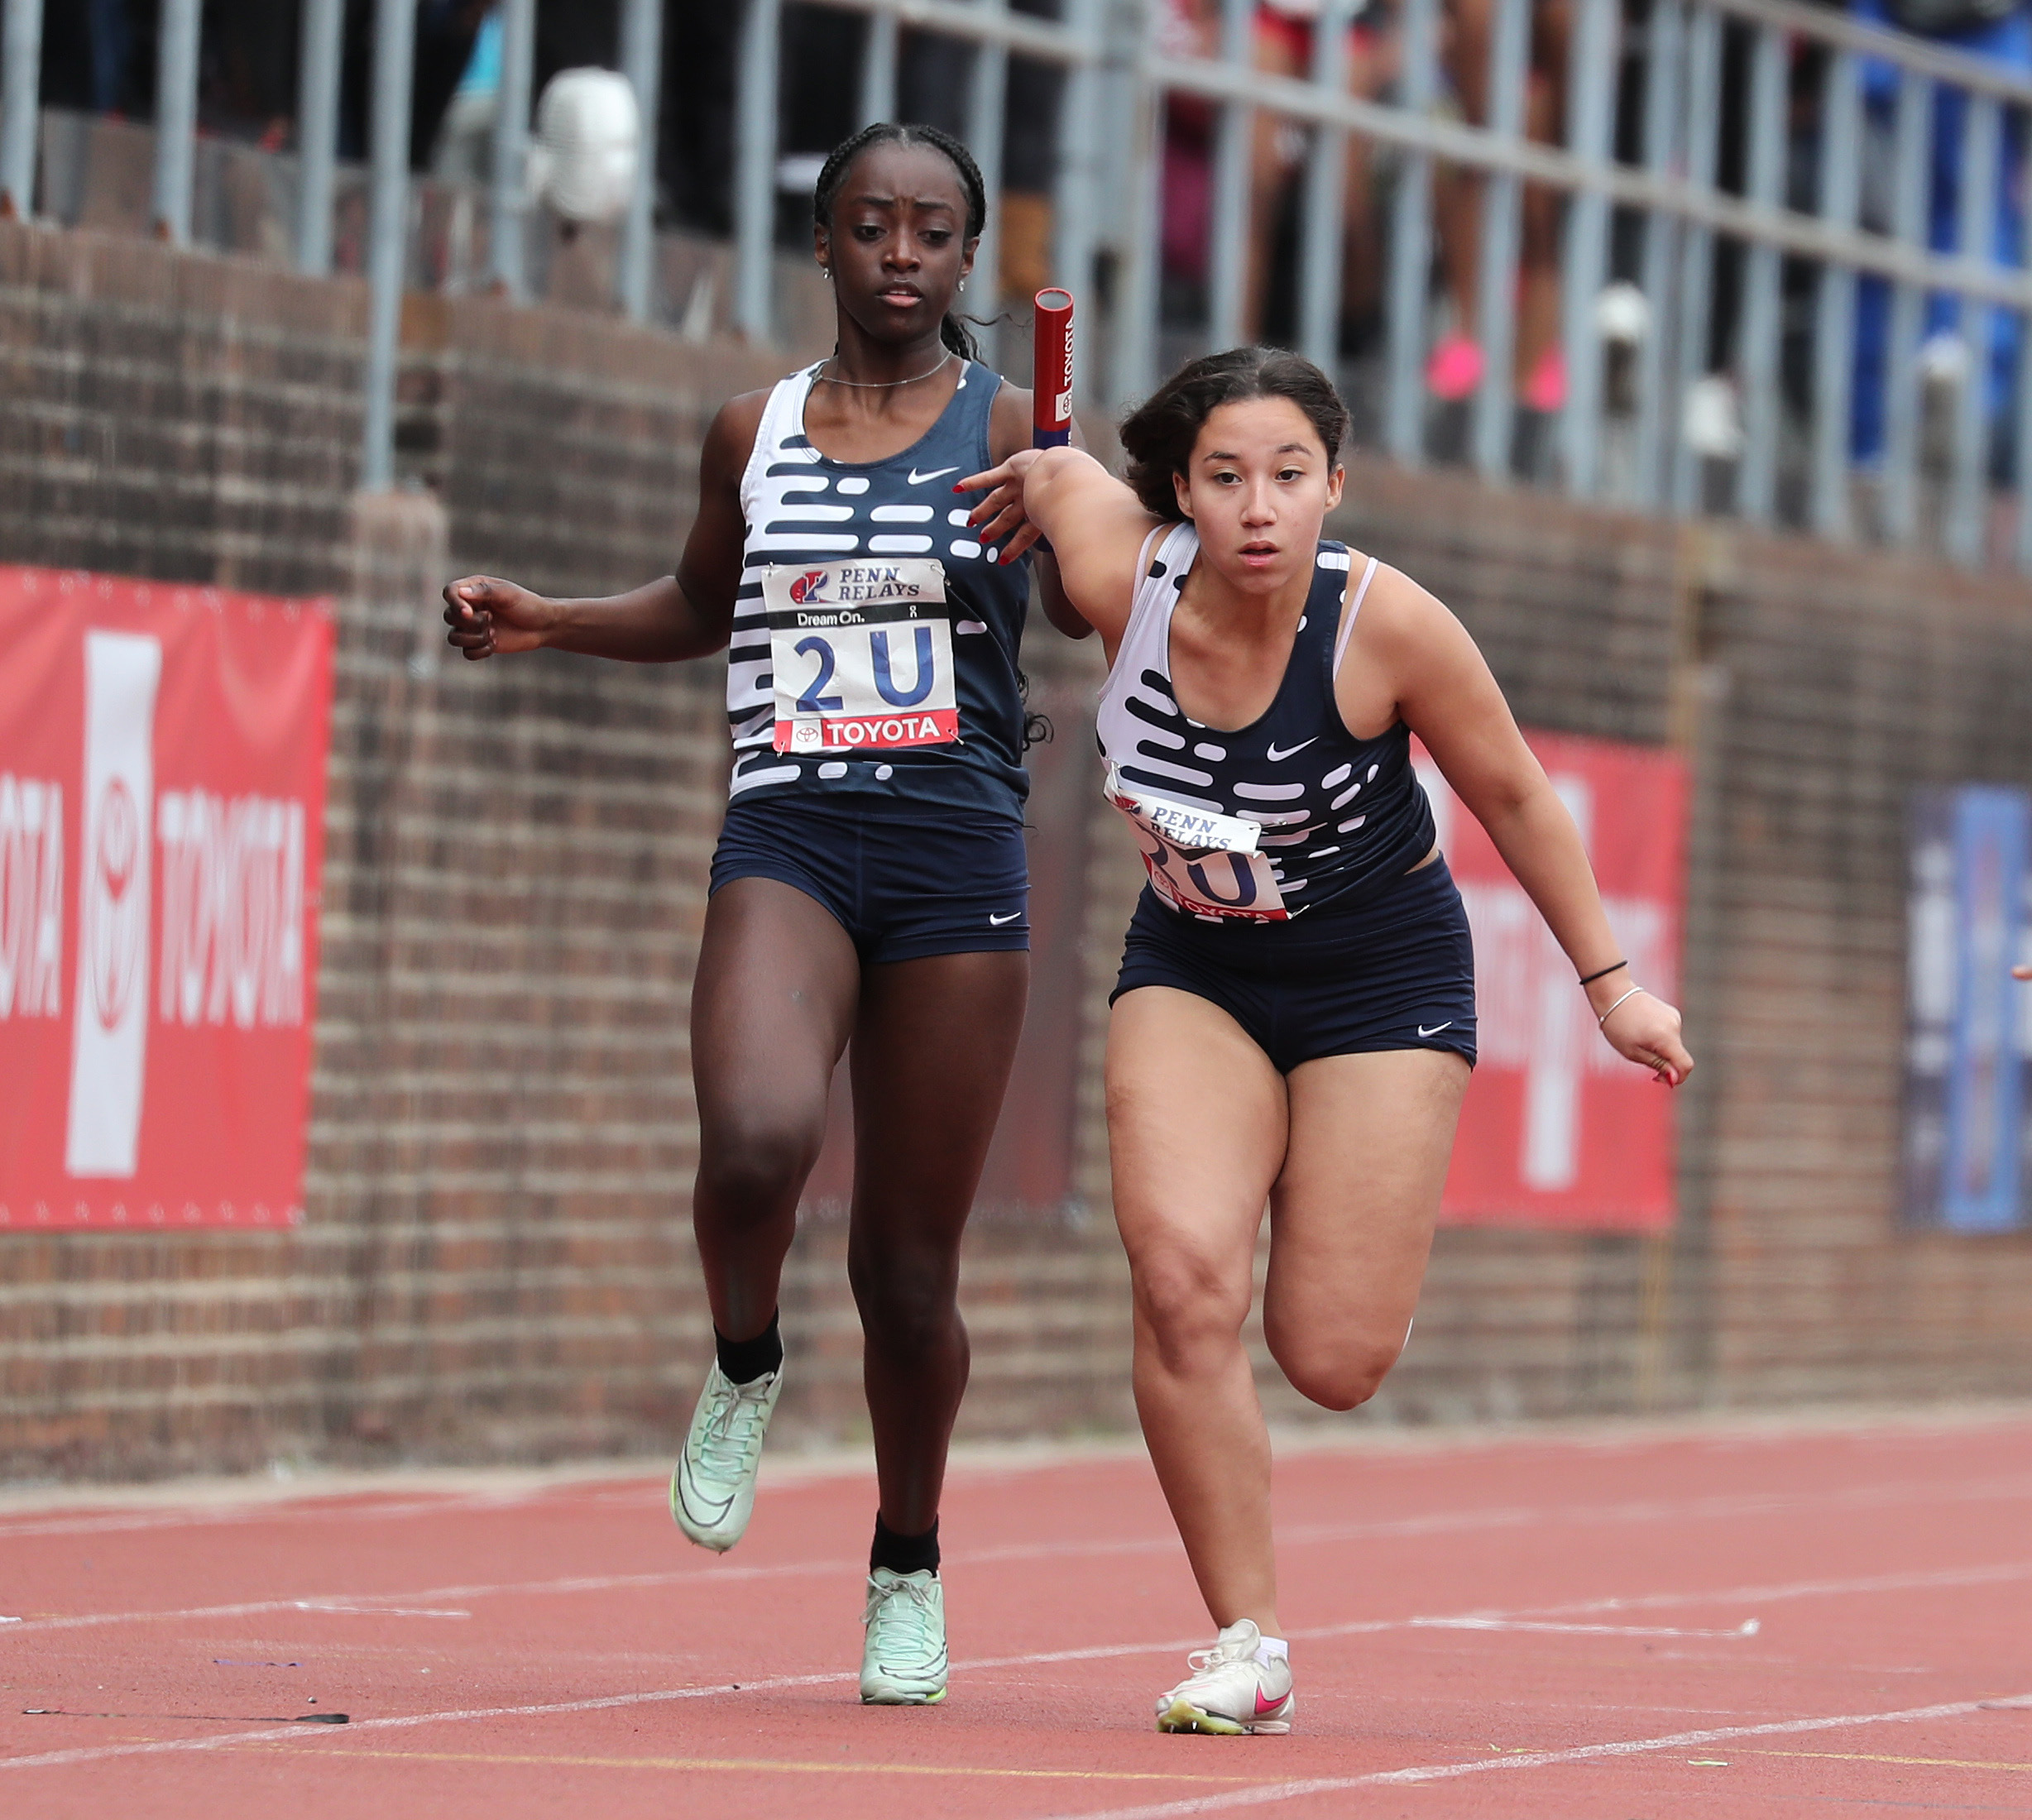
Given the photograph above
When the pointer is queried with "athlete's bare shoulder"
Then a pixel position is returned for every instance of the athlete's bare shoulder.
(1009, 421)
(1402, 636)
(736, 422)
(1397, 612)
(730, 440)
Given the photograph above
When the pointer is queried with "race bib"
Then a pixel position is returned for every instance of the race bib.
(862, 655)
(1201, 862)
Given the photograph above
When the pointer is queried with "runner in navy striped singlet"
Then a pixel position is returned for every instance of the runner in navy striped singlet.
(868, 891)
(1294, 1021)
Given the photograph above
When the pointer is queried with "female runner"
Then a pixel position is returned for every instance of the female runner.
(869, 886)
(1294, 1022)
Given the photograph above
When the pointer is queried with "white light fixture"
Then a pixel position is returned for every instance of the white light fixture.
(582, 163)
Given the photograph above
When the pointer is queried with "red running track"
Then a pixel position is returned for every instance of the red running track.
(1737, 1622)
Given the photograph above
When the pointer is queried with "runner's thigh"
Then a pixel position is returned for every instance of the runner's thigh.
(1197, 1125)
(1352, 1211)
(932, 1049)
(772, 1006)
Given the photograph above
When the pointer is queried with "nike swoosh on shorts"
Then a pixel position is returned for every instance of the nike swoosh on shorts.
(1436, 1029)
(996, 922)
(1278, 758)
(919, 480)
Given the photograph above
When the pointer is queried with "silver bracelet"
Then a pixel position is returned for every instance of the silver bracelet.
(1606, 1015)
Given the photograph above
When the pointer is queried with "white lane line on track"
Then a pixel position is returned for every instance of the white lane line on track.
(378, 1611)
(1038, 1659)
(51, 1759)
(1748, 1627)
(319, 1507)
(1162, 1811)
(372, 1603)
(387, 1602)
(1538, 1759)
(1720, 1506)
(1300, 1536)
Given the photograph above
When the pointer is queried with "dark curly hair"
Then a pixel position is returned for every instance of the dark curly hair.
(951, 331)
(1159, 434)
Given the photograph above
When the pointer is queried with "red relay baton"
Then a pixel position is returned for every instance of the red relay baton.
(1050, 397)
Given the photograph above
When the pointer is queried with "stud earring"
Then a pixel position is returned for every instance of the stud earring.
(962, 284)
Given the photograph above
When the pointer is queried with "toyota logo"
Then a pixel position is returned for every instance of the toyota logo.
(118, 914)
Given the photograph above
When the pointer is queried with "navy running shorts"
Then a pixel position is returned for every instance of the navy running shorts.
(901, 887)
(1394, 971)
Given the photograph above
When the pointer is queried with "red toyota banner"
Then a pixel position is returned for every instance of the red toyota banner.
(162, 754)
(1558, 1129)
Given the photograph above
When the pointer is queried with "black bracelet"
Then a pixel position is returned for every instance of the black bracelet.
(1604, 973)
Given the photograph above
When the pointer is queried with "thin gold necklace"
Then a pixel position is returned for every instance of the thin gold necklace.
(882, 385)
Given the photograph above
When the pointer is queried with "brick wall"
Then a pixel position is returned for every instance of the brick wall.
(497, 1260)
(1812, 689)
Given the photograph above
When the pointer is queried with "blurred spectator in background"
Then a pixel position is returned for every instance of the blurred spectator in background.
(247, 71)
(1187, 28)
(93, 55)
(445, 30)
(1455, 366)
(464, 150)
(1283, 45)
(99, 57)
(1284, 34)
(695, 145)
(1998, 31)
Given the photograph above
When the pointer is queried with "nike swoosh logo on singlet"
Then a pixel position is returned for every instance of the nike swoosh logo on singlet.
(996, 922)
(919, 480)
(1436, 1029)
(1289, 752)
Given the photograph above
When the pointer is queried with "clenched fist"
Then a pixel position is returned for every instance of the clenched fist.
(492, 618)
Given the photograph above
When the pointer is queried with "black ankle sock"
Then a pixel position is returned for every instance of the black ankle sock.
(904, 1554)
(745, 1360)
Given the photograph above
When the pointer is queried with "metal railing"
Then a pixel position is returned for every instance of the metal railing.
(1680, 213)
(1751, 278)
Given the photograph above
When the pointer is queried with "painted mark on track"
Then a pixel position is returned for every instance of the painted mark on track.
(1872, 1756)
(1748, 1627)
(376, 1611)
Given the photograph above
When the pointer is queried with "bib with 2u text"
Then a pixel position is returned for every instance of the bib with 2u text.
(861, 653)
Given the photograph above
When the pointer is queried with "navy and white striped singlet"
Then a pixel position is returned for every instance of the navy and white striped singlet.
(815, 520)
(1288, 814)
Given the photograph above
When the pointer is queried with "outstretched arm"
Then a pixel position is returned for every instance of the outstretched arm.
(1096, 526)
(690, 613)
(1010, 433)
(1447, 696)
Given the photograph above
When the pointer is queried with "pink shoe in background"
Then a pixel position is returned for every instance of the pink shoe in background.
(1545, 390)
(1455, 369)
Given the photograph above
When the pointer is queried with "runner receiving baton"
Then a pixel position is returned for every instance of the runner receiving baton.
(1295, 1021)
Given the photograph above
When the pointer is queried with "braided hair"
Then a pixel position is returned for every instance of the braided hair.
(951, 331)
